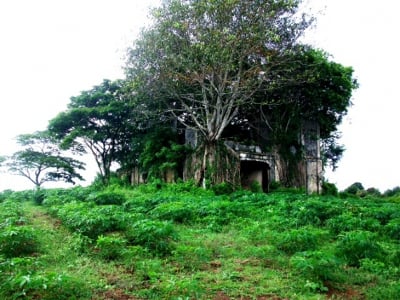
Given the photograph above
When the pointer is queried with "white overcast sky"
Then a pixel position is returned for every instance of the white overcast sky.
(52, 50)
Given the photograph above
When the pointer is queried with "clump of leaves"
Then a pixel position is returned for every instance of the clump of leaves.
(223, 188)
(110, 247)
(314, 211)
(392, 229)
(348, 222)
(18, 241)
(302, 239)
(91, 220)
(45, 286)
(357, 245)
(108, 198)
(317, 267)
(178, 212)
(156, 236)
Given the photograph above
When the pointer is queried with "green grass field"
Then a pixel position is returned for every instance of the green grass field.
(181, 242)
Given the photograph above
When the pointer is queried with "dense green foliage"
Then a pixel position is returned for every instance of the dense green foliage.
(178, 241)
(233, 69)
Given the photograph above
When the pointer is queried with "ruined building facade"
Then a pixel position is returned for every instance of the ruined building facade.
(253, 164)
(250, 162)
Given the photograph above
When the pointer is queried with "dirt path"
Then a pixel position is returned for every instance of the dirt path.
(59, 254)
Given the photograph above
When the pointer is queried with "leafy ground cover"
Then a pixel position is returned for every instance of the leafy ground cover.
(181, 242)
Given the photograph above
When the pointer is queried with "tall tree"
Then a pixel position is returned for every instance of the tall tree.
(42, 161)
(99, 121)
(319, 91)
(204, 60)
(313, 91)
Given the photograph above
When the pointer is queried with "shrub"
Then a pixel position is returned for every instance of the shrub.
(256, 187)
(314, 211)
(348, 222)
(354, 189)
(317, 266)
(10, 209)
(223, 188)
(392, 192)
(296, 240)
(274, 186)
(45, 286)
(11, 213)
(356, 245)
(79, 243)
(110, 247)
(156, 236)
(6, 194)
(91, 220)
(38, 197)
(373, 192)
(108, 198)
(391, 291)
(178, 212)
(384, 212)
(392, 229)
(329, 189)
(18, 241)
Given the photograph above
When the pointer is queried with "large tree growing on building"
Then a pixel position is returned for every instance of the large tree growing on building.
(99, 121)
(203, 60)
(316, 90)
(41, 160)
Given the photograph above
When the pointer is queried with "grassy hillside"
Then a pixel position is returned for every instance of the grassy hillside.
(181, 242)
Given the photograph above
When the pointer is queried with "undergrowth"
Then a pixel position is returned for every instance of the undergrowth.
(181, 242)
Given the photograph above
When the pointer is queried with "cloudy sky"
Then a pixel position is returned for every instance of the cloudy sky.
(52, 50)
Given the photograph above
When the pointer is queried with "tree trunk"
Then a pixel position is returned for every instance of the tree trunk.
(212, 163)
(291, 171)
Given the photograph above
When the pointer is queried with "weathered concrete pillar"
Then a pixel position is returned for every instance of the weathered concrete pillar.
(313, 161)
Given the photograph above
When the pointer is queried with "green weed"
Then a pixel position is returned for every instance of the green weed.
(18, 241)
(356, 245)
(157, 236)
(110, 247)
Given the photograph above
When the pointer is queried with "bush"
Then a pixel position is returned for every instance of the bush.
(354, 189)
(108, 198)
(329, 189)
(314, 211)
(317, 266)
(91, 220)
(156, 236)
(348, 222)
(178, 212)
(11, 214)
(45, 286)
(357, 245)
(6, 194)
(384, 212)
(297, 240)
(223, 188)
(256, 187)
(10, 209)
(110, 247)
(18, 241)
(392, 229)
(391, 291)
(38, 197)
(392, 192)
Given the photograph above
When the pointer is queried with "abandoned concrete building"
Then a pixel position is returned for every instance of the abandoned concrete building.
(264, 167)
(256, 165)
